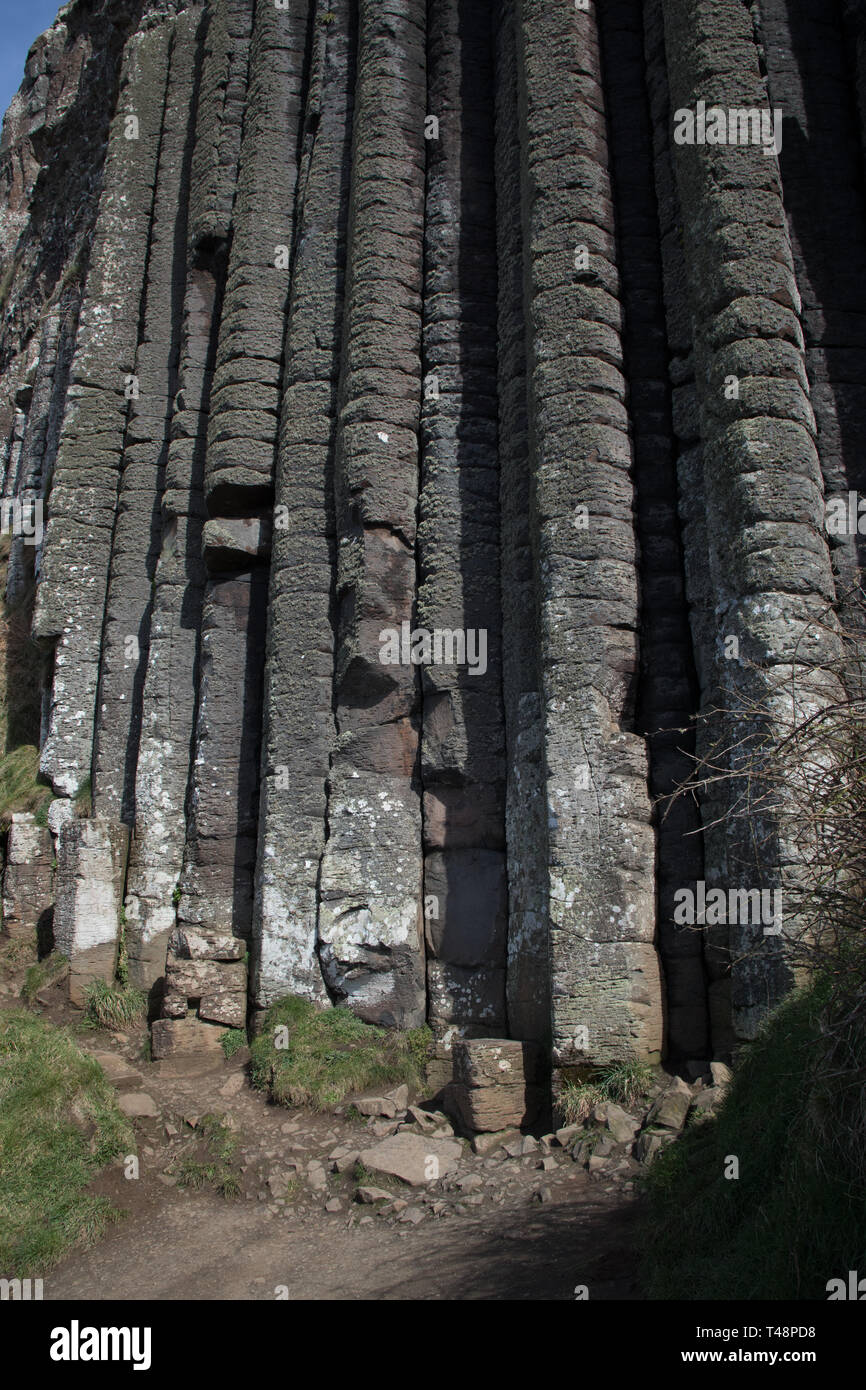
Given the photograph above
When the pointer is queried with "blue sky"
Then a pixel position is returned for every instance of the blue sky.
(21, 21)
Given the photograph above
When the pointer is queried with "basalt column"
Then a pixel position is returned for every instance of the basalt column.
(462, 748)
(216, 886)
(299, 731)
(668, 688)
(821, 166)
(170, 694)
(138, 528)
(370, 922)
(606, 994)
(79, 536)
(688, 453)
(528, 971)
(768, 557)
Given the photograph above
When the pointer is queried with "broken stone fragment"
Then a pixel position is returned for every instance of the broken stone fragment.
(218, 987)
(235, 542)
(369, 1195)
(672, 1107)
(138, 1105)
(186, 943)
(649, 1144)
(414, 1159)
(622, 1126)
(721, 1074)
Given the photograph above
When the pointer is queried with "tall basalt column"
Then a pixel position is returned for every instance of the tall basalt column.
(220, 118)
(30, 472)
(772, 580)
(667, 698)
(528, 968)
(172, 680)
(138, 531)
(820, 165)
(606, 993)
(691, 504)
(170, 697)
(244, 405)
(462, 752)
(216, 887)
(82, 505)
(299, 731)
(370, 924)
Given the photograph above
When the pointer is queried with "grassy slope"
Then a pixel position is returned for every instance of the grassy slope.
(59, 1125)
(796, 1216)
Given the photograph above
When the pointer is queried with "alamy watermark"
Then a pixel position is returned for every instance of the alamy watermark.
(845, 516)
(755, 907)
(441, 646)
(714, 125)
(22, 516)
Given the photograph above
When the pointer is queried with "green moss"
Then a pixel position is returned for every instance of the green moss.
(330, 1053)
(59, 1125)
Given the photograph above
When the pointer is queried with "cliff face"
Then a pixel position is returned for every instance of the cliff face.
(338, 332)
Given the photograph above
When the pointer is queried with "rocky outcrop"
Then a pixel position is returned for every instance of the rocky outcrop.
(426, 433)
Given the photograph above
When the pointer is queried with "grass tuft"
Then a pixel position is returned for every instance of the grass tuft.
(625, 1083)
(330, 1053)
(232, 1041)
(114, 1005)
(19, 789)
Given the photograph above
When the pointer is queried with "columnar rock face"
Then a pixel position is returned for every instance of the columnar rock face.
(432, 408)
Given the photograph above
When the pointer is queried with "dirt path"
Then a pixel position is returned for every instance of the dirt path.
(212, 1249)
(525, 1224)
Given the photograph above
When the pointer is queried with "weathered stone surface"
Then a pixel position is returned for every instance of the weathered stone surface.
(184, 1036)
(417, 1161)
(671, 1108)
(28, 892)
(494, 1108)
(497, 1062)
(91, 866)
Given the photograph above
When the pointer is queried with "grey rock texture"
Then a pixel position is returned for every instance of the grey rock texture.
(339, 335)
(28, 893)
(91, 868)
